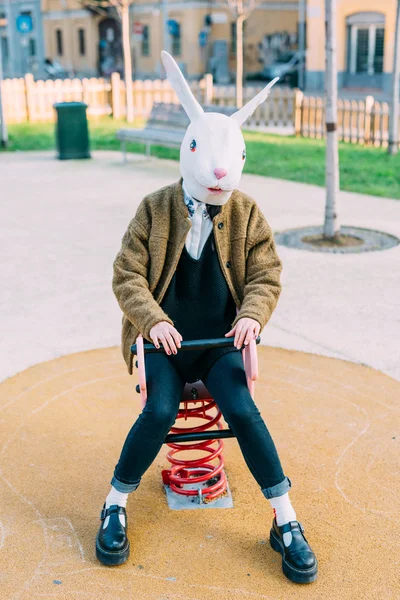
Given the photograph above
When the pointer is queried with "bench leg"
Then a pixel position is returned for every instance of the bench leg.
(123, 148)
(147, 148)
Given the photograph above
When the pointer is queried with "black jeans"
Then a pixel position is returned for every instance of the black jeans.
(226, 382)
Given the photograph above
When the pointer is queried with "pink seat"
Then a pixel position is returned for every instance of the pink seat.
(249, 354)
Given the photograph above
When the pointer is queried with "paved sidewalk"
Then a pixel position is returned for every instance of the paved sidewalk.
(61, 227)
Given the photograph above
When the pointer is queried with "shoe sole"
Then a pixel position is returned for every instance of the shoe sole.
(295, 575)
(112, 558)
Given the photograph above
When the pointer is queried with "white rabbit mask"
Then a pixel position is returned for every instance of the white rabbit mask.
(213, 151)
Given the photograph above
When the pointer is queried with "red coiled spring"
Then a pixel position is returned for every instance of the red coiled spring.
(200, 470)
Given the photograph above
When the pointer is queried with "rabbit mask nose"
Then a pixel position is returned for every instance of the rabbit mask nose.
(220, 173)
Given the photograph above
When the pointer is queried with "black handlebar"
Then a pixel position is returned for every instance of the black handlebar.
(194, 345)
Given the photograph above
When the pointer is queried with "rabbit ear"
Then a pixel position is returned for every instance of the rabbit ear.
(181, 87)
(244, 113)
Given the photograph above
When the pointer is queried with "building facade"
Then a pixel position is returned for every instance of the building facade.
(71, 35)
(81, 42)
(194, 44)
(21, 44)
(201, 34)
(365, 44)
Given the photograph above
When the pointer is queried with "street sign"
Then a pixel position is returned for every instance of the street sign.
(138, 28)
(24, 24)
(173, 27)
(203, 38)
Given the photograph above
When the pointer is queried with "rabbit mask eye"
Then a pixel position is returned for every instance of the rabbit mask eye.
(244, 155)
(193, 145)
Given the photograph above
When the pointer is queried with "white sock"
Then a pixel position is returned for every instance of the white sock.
(284, 512)
(116, 497)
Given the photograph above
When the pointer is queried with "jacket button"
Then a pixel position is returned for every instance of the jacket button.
(228, 264)
(220, 225)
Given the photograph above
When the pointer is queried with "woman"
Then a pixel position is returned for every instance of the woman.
(196, 251)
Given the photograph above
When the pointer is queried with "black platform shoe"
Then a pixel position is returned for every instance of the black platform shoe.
(112, 544)
(299, 562)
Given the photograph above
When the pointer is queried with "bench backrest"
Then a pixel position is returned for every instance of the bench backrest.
(172, 117)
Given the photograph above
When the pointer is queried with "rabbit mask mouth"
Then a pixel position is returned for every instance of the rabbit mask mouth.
(216, 190)
(205, 189)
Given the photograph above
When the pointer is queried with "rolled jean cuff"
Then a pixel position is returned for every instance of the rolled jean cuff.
(278, 490)
(125, 488)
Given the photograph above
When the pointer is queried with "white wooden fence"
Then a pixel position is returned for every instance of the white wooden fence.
(28, 100)
(287, 110)
(277, 112)
(359, 121)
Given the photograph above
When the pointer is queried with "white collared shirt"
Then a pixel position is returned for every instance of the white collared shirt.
(201, 225)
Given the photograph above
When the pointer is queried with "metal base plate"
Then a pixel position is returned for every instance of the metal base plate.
(178, 502)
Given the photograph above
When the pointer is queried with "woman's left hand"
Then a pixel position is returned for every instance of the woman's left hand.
(245, 330)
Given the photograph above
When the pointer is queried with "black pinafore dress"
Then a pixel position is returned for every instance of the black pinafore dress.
(199, 302)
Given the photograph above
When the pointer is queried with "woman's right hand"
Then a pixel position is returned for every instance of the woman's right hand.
(169, 337)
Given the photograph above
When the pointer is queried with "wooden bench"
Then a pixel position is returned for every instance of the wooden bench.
(166, 126)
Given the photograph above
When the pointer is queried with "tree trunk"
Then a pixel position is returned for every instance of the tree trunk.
(126, 42)
(3, 125)
(394, 112)
(239, 57)
(331, 225)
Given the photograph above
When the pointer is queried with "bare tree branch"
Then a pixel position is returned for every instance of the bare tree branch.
(249, 6)
(118, 6)
(98, 9)
(233, 7)
(242, 7)
(240, 10)
(98, 5)
(121, 8)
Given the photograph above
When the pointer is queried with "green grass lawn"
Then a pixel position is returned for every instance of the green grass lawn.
(363, 170)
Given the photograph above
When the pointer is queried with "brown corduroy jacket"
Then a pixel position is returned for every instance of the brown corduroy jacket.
(152, 245)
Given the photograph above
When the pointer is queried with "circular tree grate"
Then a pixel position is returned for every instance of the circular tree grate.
(352, 240)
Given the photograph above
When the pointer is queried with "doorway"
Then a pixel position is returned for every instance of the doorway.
(110, 47)
(365, 50)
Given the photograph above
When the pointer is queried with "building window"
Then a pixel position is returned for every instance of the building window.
(59, 42)
(379, 49)
(4, 47)
(81, 42)
(146, 41)
(233, 36)
(366, 38)
(32, 47)
(4, 52)
(177, 40)
(362, 50)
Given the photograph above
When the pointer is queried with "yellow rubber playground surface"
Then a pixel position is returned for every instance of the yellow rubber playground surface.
(62, 426)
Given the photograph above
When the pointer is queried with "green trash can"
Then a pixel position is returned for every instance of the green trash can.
(72, 134)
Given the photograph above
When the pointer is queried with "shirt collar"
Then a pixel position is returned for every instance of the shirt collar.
(193, 204)
(188, 198)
